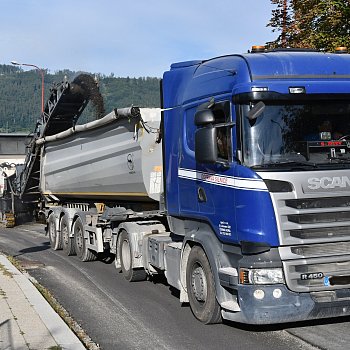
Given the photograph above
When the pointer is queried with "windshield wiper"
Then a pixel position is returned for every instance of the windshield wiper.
(298, 162)
(289, 163)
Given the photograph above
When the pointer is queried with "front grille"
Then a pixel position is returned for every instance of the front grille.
(321, 233)
(315, 241)
(326, 249)
(314, 203)
(310, 275)
(313, 220)
(320, 217)
(331, 296)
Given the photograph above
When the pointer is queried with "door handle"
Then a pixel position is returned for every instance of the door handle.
(202, 197)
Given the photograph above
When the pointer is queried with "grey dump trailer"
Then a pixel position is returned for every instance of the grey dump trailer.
(113, 158)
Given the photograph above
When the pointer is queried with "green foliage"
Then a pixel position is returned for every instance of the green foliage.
(318, 24)
(124, 92)
(20, 95)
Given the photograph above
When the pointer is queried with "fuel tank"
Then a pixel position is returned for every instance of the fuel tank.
(114, 158)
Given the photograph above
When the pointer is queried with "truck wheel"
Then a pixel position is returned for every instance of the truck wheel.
(124, 249)
(54, 236)
(83, 253)
(67, 242)
(201, 288)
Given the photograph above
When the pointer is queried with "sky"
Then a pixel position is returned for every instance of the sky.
(135, 38)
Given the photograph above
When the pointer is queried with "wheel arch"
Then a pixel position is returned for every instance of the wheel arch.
(115, 244)
(57, 213)
(204, 237)
(73, 215)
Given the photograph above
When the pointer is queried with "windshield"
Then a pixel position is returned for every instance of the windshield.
(313, 134)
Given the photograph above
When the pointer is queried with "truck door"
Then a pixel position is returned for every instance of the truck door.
(188, 202)
(208, 189)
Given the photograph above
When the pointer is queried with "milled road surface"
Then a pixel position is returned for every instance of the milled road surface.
(148, 315)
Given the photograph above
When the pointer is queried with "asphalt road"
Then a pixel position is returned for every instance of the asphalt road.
(148, 315)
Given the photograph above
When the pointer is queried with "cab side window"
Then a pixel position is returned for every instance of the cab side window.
(222, 116)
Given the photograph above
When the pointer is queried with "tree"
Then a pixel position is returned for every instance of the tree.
(20, 95)
(280, 21)
(318, 24)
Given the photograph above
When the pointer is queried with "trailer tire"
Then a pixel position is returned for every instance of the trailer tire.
(54, 235)
(68, 245)
(201, 288)
(125, 253)
(83, 253)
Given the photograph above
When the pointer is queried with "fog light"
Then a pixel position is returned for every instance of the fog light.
(259, 294)
(277, 293)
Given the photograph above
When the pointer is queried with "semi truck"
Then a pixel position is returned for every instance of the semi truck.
(237, 189)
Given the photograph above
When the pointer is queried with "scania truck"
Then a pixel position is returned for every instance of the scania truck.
(237, 189)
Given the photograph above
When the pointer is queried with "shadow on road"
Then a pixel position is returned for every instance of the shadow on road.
(35, 249)
(285, 326)
(106, 258)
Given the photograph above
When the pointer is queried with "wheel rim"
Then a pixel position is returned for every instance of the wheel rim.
(199, 284)
(65, 237)
(126, 257)
(79, 238)
(52, 232)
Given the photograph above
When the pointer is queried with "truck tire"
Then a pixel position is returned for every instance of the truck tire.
(201, 288)
(67, 242)
(83, 253)
(124, 250)
(54, 235)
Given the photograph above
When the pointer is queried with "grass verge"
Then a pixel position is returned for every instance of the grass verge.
(5, 271)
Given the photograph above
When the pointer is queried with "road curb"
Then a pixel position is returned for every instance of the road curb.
(59, 330)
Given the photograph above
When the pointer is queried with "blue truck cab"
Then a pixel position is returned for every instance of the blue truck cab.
(256, 157)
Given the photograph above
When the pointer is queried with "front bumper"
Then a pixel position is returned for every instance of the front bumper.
(289, 307)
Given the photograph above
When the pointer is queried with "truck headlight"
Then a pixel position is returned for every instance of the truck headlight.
(261, 276)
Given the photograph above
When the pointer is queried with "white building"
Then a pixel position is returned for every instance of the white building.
(12, 153)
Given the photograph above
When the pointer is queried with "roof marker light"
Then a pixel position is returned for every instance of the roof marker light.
(341, 49)
(258, 48)
(297, 90)
(260, 88)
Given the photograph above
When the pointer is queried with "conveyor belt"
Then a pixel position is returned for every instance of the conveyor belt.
(65, 104)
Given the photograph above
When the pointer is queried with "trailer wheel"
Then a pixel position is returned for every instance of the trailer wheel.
(124, 249)
(67, 242)
(201, 288)
(54, 236)
(83, 253)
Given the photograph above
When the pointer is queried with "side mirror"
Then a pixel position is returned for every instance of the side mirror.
(204, 117)
(205, 145)
(256, 111)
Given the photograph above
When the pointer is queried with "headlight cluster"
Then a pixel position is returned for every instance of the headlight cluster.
(261, 276)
